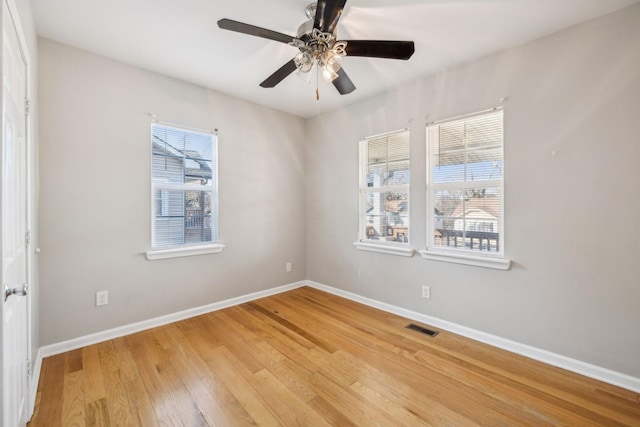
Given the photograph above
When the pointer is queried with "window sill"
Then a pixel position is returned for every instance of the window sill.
(384, 249)
(155, 254)
(495, 263)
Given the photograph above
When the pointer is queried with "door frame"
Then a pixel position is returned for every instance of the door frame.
(10, 7)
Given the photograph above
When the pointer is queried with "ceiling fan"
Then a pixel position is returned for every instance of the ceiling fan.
(319, 48)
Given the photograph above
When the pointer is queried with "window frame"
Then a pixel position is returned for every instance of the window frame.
(187, 248)
(496, 260)
(363, 242)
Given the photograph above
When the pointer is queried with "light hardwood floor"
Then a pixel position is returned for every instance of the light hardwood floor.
(307, 358)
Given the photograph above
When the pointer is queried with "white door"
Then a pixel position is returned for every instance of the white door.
(13, 228)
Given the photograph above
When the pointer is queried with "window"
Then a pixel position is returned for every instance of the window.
(384, 193)
(184, 188)
(465, 186)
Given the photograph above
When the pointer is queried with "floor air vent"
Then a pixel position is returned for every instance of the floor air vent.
(422, 330)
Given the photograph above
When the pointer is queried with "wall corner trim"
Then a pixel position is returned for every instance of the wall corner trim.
(588, 370)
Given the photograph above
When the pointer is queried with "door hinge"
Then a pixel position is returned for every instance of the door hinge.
(29, 368)
(27, 238)
(27, 106)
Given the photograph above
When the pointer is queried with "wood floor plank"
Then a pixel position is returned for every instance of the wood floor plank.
(308, 358)
(417, 401)
(351, 405)
(298, 413)
(173, 407)
(279, 409)
(36, 412)
(52, 388)
(458, 397)
(116, 395)
(92, 372)
(97, 414)
(237, 344)
(330, 412)
(140, 404)
(213, 399)
(73, 361)
(73, 414)
(225, 369)
(202, 341)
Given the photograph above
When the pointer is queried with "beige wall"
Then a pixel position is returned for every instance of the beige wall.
(95, 195)
(572, 227)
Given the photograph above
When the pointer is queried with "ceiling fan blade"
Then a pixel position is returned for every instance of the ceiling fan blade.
(279, 75)
(252, 30)
(327, 14)
(343, 83)
(380, 49)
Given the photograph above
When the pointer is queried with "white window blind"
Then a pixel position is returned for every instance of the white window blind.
(184, 186)
(466, 203)
(384, 189)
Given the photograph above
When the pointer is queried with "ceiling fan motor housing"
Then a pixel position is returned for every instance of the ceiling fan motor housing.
(305, 30)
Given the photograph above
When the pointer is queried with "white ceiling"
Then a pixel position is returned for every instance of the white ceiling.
(180, 38)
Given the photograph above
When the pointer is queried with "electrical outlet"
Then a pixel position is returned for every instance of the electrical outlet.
(426, 292)
(288, 267)
(102, 298)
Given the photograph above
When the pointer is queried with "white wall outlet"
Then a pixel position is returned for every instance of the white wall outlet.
(102, 298)
(288, 267)
(426, 292)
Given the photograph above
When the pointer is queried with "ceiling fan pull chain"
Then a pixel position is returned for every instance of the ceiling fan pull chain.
(317, 90)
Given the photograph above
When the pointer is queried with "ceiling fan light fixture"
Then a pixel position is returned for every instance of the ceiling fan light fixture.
(304, 61)
(330, 65)
(308, 75)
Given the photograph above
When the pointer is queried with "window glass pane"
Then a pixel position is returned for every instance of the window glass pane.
(397, 216)
(484, 165)
(169, 203)
(447, 201)
(469, 219)
(182, 217)
(449, 167)
(386, 214)
(485, 131)
(449, 137)
(197, 216)
(168, 231)
(374, 204)
(198, 146)
(181, 157)
(167, 169)
(377, 151)
(398, 147)
(398, 173)
(444, 232)
(376, 175)
(467, 151)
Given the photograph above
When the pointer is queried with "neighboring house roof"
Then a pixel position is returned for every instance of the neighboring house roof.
(479, 208)
(396, 205)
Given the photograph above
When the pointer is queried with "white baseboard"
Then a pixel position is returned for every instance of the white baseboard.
(75, 343)
(588, 370)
